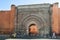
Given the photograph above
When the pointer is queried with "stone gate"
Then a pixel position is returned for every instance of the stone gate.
(38, 14)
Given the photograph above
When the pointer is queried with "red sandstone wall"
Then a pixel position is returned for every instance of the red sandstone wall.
(4, 21)
(7, 20)
(55, 22)
(12, 18)
(59, 19)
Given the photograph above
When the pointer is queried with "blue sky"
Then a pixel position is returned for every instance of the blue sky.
(5, 4)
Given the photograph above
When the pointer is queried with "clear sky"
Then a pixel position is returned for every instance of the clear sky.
(5, 4)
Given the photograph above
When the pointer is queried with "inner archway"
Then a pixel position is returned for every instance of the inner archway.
(33, 29)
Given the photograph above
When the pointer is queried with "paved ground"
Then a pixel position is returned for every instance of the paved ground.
(32, 39)
(6, 37)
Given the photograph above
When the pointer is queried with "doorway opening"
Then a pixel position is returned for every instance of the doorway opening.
(33, 29)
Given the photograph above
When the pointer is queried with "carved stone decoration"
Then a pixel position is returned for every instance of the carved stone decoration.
(33, 14)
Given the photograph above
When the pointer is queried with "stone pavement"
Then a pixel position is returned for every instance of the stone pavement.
(32, 39)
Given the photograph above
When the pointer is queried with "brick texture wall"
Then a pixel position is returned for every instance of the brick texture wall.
(55, 18)
(59, 19)
(7, 20)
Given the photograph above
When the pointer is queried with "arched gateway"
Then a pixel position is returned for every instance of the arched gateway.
(33, 20)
